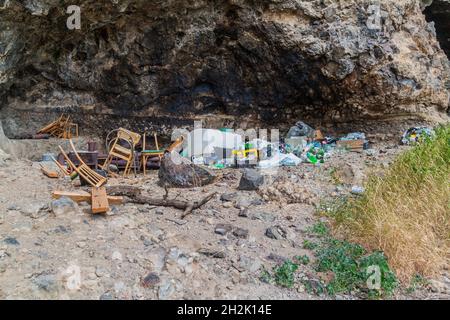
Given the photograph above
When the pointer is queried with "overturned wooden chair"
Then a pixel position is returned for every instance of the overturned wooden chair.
(90, 176)
(123, 152)
(60, 128)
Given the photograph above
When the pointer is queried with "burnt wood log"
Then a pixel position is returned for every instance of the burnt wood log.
(134, 195)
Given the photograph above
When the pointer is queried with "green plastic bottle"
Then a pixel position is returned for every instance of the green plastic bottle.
(312, 158)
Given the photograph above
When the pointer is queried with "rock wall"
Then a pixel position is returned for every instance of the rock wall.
(247, 61)
(438, 12)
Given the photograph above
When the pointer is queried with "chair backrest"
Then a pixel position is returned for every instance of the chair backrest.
(144, 142)
(128, 135)
(92, 177)
(156, 141)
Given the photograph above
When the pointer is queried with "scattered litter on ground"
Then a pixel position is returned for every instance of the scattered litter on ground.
(416, 135)
(301, 129)
(357, 190)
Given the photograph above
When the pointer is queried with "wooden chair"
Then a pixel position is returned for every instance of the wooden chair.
(92, 177)
(60, 128)
(51, 126)
(121, 152)
(146, 154)
(65, 171)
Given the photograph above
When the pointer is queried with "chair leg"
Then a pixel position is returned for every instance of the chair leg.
(125, 172)
(144, 164)
(106, 163)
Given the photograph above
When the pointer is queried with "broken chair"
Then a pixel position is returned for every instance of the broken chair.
(89, 175)
(61, 128)
(118, 150)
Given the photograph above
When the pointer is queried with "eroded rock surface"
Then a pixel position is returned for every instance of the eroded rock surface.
(169, 61)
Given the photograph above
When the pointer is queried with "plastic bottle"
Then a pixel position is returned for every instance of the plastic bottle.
(312, 158)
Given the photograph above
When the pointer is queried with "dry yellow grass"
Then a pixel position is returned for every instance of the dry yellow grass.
(406, 212)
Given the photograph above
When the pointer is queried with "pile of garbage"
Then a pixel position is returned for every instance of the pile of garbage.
(416, 135)
(219, 149)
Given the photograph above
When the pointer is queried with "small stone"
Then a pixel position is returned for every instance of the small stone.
(251, 180)
(113, 211)
(227, 205)
(243, 213)
(243, 203)
(46, 282)
(106, 296)
(113, 168)
(276, 233)
(119, 287)
(13, 207)
(101, 272)
(264, 216)
(223, 229)
(91, 276)
(151, 280)
(228, 197)
(438, 286)
(3, 254)
(166, 289)
(157, 257)
(11, 241)
(81, 244)
(61, 229)
(212, 253)
(249, 264)
(35, 210)
(240, 233)
(159, 211)
(257, 202)
(276, 258)
(64, 207)
(116, 256)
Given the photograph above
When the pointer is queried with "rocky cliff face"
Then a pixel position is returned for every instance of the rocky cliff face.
(438, 12)
(264, 60)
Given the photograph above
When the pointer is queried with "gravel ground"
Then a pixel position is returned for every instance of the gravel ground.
(145, 252)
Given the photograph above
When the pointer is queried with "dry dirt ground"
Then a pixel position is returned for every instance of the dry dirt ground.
(145, 252)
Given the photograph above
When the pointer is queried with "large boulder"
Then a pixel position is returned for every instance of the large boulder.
(251, 180)
(178, 172)
(64, 207)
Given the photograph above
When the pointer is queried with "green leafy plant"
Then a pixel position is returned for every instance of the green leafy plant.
(304, 260)
(388, 279)
(285, 274)
(349, 263)
(417, 282)
(319, 229)
(309, 245)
